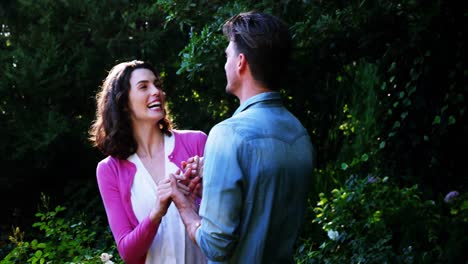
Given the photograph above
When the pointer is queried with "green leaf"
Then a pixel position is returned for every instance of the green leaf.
(451, 120)
(412, 90)
(383, 86)
(404, 115)
(364, 157)
(382, 145)
(344, 166)
(41, 245)
(38, 254)
(443, 108)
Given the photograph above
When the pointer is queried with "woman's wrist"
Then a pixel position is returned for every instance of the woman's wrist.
(155, 216)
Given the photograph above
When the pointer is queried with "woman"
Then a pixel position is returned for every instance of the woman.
(133, 130)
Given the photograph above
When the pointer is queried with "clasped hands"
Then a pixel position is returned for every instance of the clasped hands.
(184, 188)
(190, 182)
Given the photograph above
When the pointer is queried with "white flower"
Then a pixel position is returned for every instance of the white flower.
(105, 258)
(333, 235)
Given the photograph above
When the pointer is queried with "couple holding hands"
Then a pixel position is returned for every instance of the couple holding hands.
(245, 200)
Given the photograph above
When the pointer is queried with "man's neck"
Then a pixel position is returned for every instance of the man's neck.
(249, 90)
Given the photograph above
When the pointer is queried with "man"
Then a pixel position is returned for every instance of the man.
(258, 163)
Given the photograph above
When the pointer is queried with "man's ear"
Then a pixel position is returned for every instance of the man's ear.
(242, 63)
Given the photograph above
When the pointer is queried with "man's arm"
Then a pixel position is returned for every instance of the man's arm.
(222, 199)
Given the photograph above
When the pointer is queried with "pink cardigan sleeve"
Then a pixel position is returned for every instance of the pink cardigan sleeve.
(188, 144)
(133, 239)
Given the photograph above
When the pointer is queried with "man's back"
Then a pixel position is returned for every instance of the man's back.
(263, 184)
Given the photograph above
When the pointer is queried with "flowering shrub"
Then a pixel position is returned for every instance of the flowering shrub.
(105, 258)
(65, 240)
(372, 220)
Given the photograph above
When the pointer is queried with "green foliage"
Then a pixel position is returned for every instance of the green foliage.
(425, 99)
(68, 240)
(380, 86)
(372, 220)
(201, 45)
(358, 128)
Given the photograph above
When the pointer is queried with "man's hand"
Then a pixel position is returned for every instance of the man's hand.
(192, 176)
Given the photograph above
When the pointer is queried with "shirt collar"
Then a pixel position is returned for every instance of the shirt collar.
(267, 96)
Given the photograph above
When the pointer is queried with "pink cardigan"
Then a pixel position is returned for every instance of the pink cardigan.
(115, 179)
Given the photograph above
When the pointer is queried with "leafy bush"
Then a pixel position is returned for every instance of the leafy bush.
(67, 240)
(372, 220)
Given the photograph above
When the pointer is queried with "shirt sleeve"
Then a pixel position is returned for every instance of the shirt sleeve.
(222, 194)
(132, 242)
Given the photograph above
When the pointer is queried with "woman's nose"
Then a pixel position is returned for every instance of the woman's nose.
(155, 90)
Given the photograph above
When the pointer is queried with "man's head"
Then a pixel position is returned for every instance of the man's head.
(265, 42)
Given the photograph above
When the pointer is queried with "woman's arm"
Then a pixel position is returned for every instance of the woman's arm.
(132, 241)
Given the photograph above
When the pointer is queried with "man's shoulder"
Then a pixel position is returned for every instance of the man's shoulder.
(229, 124)
(238, 128)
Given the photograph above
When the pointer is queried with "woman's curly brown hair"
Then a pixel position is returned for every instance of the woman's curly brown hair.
(111, 132)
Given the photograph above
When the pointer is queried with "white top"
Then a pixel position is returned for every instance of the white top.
(171, 243)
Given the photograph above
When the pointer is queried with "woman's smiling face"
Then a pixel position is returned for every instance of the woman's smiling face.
(146, 97)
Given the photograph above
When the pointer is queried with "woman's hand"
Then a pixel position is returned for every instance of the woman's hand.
(180, 192)
(165, 194)
(182, 196)
(192, 187)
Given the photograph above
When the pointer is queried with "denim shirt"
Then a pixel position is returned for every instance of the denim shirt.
(257, 173)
